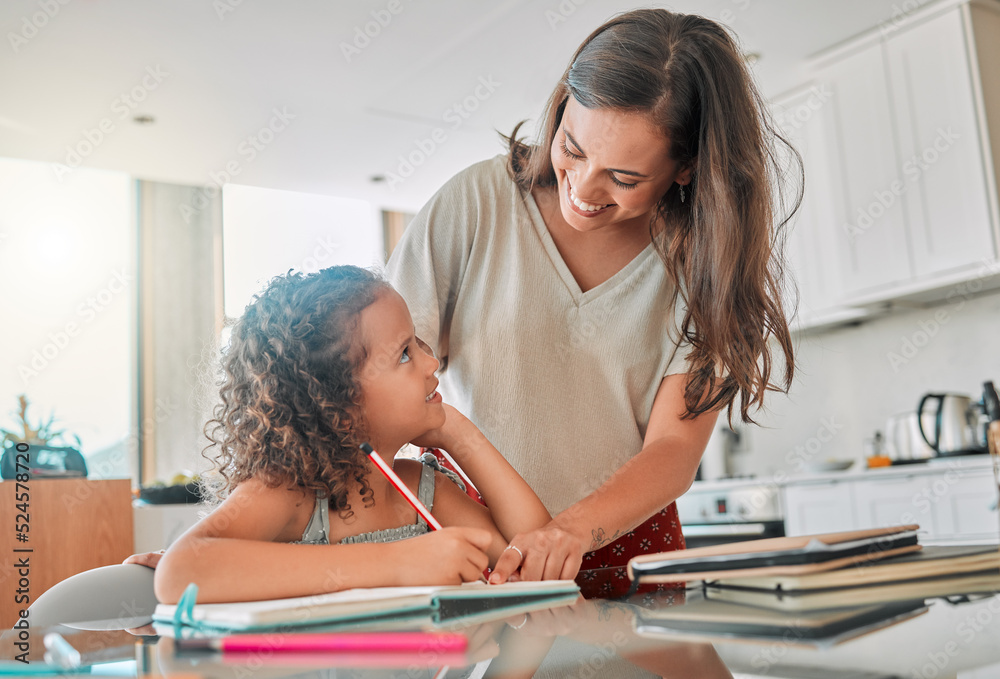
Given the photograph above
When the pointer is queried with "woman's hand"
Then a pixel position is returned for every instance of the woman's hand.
(549, 553)
(449, 556)
(147, 559)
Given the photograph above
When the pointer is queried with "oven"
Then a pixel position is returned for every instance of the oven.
(719, 512)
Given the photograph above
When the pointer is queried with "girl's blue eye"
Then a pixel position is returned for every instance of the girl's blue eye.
(405, 358)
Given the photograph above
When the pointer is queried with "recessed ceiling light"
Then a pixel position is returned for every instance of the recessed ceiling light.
(143, 120)
(377, 178)
(752, 57)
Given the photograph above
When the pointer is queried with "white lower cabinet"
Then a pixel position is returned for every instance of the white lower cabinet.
(969, 508)
(819, 508)
(951, 504)
(897, 502)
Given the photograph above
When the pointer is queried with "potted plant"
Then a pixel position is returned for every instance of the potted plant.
(50, 450)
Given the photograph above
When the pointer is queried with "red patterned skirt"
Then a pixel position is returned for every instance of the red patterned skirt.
(603, 573)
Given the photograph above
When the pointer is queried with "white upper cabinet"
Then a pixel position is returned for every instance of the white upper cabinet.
(946, 191)
(901, 193)
(872, 250)
(805, 119)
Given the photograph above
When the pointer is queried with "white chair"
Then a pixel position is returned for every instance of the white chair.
(111, 597)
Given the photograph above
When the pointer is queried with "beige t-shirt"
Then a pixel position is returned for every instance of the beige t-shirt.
(561, 381)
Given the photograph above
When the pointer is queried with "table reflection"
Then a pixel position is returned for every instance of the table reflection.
(595, 638)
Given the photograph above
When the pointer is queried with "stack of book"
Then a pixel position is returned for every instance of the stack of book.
(831, 586)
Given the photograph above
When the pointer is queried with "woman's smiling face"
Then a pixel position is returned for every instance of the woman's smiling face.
(612, 160)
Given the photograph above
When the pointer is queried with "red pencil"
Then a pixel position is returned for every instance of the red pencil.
(401, 487)
(406, 492)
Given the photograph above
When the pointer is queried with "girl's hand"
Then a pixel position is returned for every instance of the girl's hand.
(550, 553)
(449, 556)
(148, 559)
(448, 437)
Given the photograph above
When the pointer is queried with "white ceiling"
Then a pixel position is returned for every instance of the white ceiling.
(225, 66)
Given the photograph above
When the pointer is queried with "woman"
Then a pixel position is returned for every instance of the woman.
(598, 297)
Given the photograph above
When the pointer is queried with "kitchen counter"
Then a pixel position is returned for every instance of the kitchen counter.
(856, 472)
(951, 498)
(936, 639)
(933, 466)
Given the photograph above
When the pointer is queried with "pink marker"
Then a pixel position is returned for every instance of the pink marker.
(332, 642)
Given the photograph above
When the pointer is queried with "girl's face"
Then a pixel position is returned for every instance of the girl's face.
(398, 386)
(612, 167)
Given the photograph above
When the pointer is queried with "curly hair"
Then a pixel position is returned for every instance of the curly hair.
(290, 403)
(722, 248)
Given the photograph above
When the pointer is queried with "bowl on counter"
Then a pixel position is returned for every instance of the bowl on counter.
(829, 465)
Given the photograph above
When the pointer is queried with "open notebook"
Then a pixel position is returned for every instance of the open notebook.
(468, 603)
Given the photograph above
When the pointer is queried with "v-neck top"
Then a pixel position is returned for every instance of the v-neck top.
(562, 381)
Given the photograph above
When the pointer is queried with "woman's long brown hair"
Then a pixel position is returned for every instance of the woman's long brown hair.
(290, 409)
(723, 246)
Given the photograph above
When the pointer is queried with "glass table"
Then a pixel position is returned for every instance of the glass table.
(678, 634)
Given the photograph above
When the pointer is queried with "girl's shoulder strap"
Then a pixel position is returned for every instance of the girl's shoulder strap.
(318, 529)
(425, 488)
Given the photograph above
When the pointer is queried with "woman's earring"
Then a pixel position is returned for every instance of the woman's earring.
(681, 186)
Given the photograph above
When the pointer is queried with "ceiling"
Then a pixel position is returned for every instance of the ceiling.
(430, 80)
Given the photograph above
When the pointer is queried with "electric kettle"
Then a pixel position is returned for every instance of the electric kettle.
(903, 439)
(956, 422)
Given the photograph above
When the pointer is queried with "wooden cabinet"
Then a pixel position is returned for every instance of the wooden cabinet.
(73, 525)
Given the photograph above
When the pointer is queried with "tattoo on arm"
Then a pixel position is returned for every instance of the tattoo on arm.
(599, 538)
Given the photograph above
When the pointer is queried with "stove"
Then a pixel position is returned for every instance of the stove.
(718, 512)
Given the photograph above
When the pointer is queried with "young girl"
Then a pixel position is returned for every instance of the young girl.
(317, 365)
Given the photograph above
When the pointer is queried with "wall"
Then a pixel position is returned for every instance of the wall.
(850, 380)
(180, 317)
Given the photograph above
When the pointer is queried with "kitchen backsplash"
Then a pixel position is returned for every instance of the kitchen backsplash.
(851, 379)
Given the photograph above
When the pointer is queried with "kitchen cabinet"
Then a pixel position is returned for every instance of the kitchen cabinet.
(73, 525)
(970, 508)
(946, 198)
(900, 158)
(805, 118)
(821, 507)
(871, 238)
(951, 500)
(898, 501)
